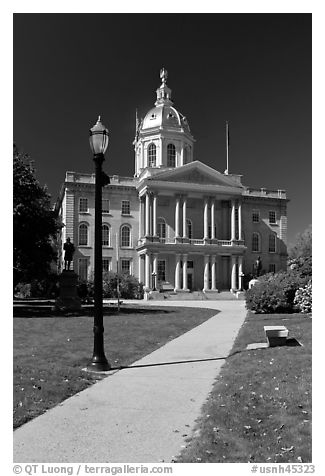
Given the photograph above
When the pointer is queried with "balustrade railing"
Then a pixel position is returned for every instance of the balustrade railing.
(192, 241)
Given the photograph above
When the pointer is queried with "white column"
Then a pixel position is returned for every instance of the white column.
(140, 218)
(213, 236)
(240, 234)
(213, 273)
(177, 218)
(154, 215)
(185, 273)
(205, 217)
(150, 214)
(233, 221)
(233, 273)
(206, 273)
(240, 272)
(184, 217)
(147, 214)
(142, 156)
(147, 270)
(155, 267)
(155, 263)
(177, 272)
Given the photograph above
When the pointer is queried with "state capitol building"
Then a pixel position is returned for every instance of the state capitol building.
(196, 228)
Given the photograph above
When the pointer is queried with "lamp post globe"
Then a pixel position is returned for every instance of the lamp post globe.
(98, 139)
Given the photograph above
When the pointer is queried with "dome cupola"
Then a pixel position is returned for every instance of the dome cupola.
(163, 138)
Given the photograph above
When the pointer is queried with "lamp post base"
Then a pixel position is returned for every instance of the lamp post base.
(98, 366)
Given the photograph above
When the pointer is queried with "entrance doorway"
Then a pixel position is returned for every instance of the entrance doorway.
(190, 281)
(225, 273)
(190, 275)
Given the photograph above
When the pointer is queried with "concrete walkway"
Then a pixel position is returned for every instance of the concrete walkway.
(140, 414)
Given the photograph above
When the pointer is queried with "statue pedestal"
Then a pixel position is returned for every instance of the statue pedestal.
(68, 299)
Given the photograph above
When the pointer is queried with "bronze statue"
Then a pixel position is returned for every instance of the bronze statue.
(258, 266)
(69, 250)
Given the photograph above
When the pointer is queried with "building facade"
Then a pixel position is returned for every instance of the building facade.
(191, 226)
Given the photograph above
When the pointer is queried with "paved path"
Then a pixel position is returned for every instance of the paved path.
(140, 414)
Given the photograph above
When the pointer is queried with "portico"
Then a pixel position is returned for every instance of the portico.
(196, 224)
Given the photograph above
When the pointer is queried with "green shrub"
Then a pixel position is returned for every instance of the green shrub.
(85, 290)
(129, 286)
(274, 293)
(38, 288)
(303, 298)
(22, 290)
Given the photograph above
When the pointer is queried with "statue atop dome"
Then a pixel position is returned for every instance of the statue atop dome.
(163, 76)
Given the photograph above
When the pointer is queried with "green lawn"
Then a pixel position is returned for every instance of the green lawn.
(50, 352)
(260, 407)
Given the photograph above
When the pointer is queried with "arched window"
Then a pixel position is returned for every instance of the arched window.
(189, 228)
(272, 243)
(125, 236)
(255, 242)
(161, 229)
(171, 155)
(152, 155)
(106, 235)
(83, 235)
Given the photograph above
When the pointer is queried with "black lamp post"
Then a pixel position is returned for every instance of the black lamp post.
(98, 143)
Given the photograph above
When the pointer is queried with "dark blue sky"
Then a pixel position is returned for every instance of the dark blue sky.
(251, 69)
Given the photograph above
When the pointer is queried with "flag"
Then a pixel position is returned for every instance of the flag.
(227, 132)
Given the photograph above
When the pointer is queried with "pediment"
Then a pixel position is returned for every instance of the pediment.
(196, 173)
(195, 176)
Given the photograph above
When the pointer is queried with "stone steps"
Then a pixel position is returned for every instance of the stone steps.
(197, 296)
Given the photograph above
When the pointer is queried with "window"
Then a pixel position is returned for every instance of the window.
(83, 268)
(161, 229)
(125, 266)
(272, 217)
(83, 205)
(105, 205)
(255, 242)
(83, 235)
(106, 265)
(106, 235)
(152, 155)
(271, 268)
(186, 155)
(236, 223)
(171, 155)
(189, 228)
(125, 236)
(161, 270)
(272, 243)
(256, 216)
(125, 207)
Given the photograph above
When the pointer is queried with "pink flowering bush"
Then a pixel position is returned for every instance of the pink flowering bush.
(303, 298)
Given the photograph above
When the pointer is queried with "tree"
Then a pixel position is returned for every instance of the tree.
(303, 245)
(300, 254)
(34, 223)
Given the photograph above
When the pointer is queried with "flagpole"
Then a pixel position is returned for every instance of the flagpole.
(227, 147)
